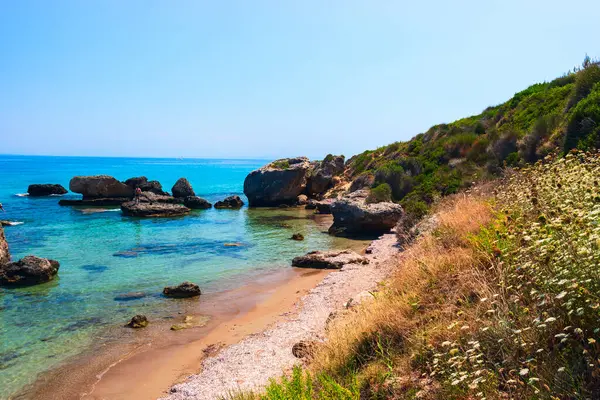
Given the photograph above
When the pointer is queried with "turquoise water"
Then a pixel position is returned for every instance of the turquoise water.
(103, 255)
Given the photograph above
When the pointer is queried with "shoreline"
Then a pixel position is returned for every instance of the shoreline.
(155, 357)
(250, 363)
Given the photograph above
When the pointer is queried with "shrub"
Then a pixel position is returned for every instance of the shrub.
(393, 174)
(379, 193)
(584, 82)
(280, 164)
(584, 123)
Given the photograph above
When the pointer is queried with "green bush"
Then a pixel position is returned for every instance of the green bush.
(584, 82)
(281, 164)
(380, 193)
(584, 123)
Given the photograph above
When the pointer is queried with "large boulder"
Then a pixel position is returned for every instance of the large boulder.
(4, 254)
(230, 202)
(185, 289)
(196, 203)
(321, 177)
(100, 186)
(182, 188)
(279, 182)
(363, 181)
(353, 216)
(150, 210)
(28, 271)
(145, 185)
(45, 189)
(324, 206)
(333, 259)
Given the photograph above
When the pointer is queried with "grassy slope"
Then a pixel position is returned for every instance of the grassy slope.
(542, 119)
(502, 299)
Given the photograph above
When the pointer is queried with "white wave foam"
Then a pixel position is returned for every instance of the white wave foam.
(21, 194)
(13, 223)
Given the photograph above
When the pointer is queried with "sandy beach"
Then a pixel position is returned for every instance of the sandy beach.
(247, 340)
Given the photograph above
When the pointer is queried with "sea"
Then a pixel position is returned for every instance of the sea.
(104, 255)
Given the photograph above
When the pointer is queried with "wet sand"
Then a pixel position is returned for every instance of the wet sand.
(145, 363)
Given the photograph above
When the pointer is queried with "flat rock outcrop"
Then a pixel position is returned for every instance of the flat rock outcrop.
(230, 202)
(152, 210)
(333, 259)
(183, 290)
(279, 182)
(321, 178)
(145, 185)
(100, 186)
(46, 189)
(182, 188)
(4, 254)
(29, 270)
(353, 216)
(196, 203)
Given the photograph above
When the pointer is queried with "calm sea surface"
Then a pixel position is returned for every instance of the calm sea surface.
(104, 255)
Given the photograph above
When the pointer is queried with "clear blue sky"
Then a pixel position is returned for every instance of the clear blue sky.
(268, 78)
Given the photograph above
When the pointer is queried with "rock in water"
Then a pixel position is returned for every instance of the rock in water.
(321, 178)
(4, 254)
(145, 185)
(324, 206)
(297, 236)
(328, 259)
(182, 188)
(28, 271)
(185, 289)
(138, 321)
(147, 210)
(99, 186)
(353, 216)
(196, 203)
(302, 200)
(280, 182)
(45, 189)
(230, 202)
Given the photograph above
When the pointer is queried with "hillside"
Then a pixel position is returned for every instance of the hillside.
(549, 117)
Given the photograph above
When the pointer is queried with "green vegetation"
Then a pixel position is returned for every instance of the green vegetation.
(280, 164)
(550, 117)
(379, 193)
(500, 300)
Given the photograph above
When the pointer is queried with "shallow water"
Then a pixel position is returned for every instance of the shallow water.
(104, 255)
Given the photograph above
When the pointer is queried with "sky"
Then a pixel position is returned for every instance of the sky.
(268, 79)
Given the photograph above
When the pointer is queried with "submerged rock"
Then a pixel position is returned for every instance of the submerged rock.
(230, 202)
(101, 202)
(191, 322)
(29, 270)
(182, 188)
(328, 259)
(297, 236)
(279, 182)
(130, 296)
(4, 254)
(183, 290)
(46, 189)
(196, 203)
(353, 216)
(151, 210)
(99, 186)
(138, 321)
